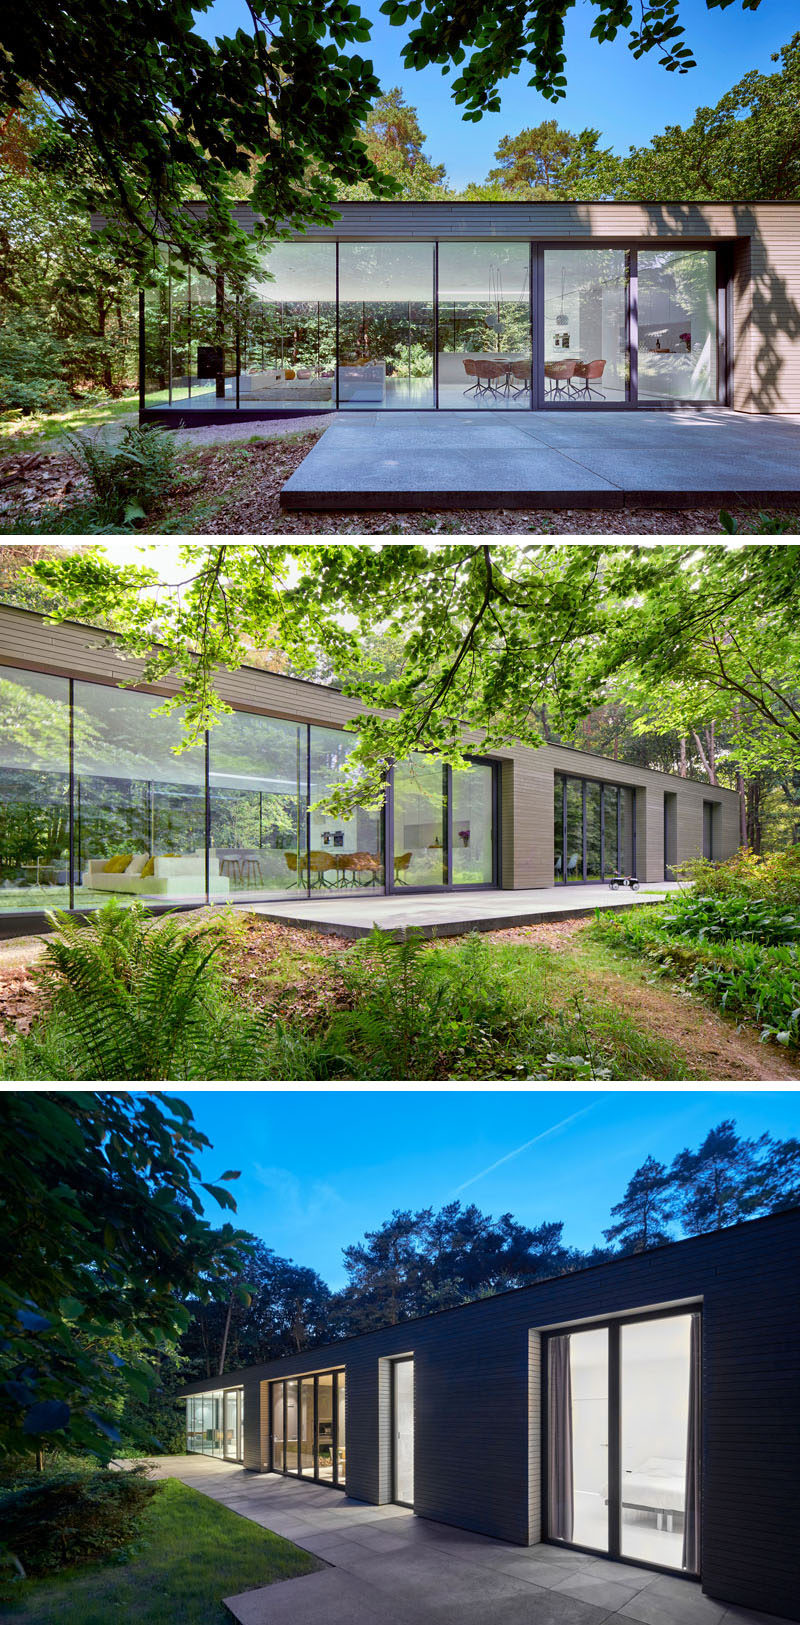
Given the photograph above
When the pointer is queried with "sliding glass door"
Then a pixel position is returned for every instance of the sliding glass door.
(307, 1430)
(594, 830)
(444, 822)
(622, 1421)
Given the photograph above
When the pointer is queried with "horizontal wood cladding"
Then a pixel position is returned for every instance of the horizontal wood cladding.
(477, 1415)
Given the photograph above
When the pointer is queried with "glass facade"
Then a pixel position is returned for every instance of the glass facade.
(95, 801)
(403, 1431)
(457, 325)
(594, 830)
(215, 1424)
(316, 1448)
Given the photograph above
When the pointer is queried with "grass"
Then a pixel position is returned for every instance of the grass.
(47, 431)
(192, 1553)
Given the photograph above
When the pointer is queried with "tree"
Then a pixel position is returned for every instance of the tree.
(395, 144)
(717, 1184)
(503, 640)
(102, 1235)
(287, 1307)
(747, 146)
(497, 42)
(147, 113)
(542, 162)
(644, 1211)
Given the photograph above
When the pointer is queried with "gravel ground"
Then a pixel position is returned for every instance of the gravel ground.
(223, 433)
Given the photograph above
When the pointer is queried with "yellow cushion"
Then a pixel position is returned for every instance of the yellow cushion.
(115, 866)
(289, 374)
(149, 868)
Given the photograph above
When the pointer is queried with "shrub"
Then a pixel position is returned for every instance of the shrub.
(31, 367)
(775, 877)
(66, 1516)
(728, 917)
(128, 478)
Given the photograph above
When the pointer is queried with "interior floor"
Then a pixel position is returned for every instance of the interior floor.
(640, 1539)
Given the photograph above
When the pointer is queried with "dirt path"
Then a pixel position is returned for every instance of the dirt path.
(710, 1042)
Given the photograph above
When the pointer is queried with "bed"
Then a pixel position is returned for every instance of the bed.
(657, 1484)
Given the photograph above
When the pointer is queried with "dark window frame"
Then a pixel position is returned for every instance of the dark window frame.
(400, 1359)
(585, 779)
(279, 1392)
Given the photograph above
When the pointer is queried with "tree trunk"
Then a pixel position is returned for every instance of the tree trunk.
(683, 765)
(741, 791)
(754, 827)
(224, 1348)
(707, 756)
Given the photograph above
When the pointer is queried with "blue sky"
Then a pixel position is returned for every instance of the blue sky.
(318, 1168)
(627, 101)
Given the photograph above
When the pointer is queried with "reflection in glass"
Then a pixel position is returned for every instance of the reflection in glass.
(626, 837)
(558, 826)
(677, 325)
(139, 808)
(343, 852)
(585, 345)
(654, 1358)
(589, 1378)
(231, 1424)
(472, 826)
(574, 830)
(292, 1459)
(278, 1453)
(325, 1426)
(403, 1444)
(484, 325)
(385, 325)
(34, 790)
(341, 1428)
(307, 1425)
(610, 844)
(257, 799)
(288, 329)
(420, 822)
(594, 866)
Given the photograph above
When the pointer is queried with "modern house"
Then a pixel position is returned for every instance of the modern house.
(488, 306)
(94, 802)
(646, 1410)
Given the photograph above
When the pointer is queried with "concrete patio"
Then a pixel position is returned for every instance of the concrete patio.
(384, 1566)
(449, 914)
(572, 458)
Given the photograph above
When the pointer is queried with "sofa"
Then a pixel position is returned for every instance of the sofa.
(173, 876)
(275, 386)
(364, 381)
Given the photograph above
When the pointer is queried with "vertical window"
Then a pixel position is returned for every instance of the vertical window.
(420, 822)
(585, 343)
(574, 792)
(343, 852)
(292, 1430)
(473, 857)
(484, 325)
(278, 1453)
(403, 1431)
(594, 856)
(257, 799)
(610, 842)
(307, 1426)
(558, 827)
(341, 1428)
(654, 1417)
(677, 325)
(325, 1427)
(385, 326)
(139, 808)
(34, 790)
(288, 329)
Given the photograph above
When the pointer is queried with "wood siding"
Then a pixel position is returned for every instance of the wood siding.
(526, 817)
(477, 1462)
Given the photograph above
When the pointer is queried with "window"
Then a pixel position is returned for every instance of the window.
(677, 325)
(257, 800)
(343, 852)
(484, 325)
(594, 830)
(34, 791)
(215, 1424)
(473, 853)
(585, 331)
(622, 1422)
(403, 1431)
(288, 329)
(318, 1448)
(385, 326)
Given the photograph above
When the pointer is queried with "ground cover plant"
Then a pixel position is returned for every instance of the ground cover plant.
(189, 1553)
(70, 1513)
(235, 996)
(231, 486)
(735, 938)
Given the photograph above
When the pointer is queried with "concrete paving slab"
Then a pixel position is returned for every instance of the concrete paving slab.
(332, 1596)
(416, 461)
(451, 913)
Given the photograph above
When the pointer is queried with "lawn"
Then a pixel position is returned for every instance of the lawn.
(193, 1552)
(46, 431)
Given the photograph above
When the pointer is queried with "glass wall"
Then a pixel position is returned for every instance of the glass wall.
(385, 325)
(139, 808)
(215, 1423)
(473, 826)
(484, 325)
(654, 1360)
(588, 1352)
(273, 344)
(318, 1448)
(420, 822)
(342, 852)
(585, 334)
(34, 791)
(258, 788)
(594, 830)
(677, 325)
